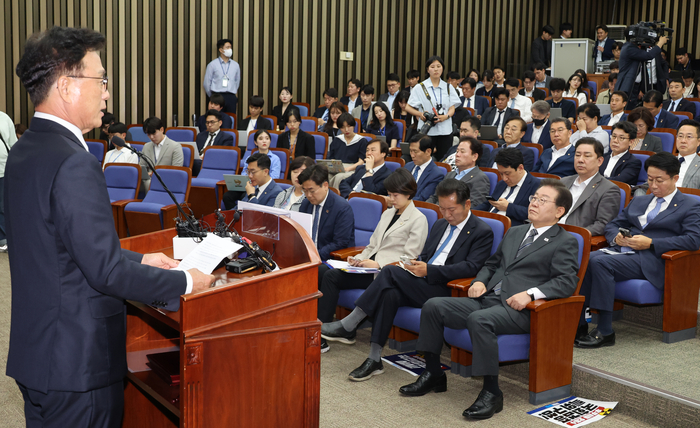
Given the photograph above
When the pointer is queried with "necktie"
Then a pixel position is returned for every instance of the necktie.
(469, 102)
(681, 160)
(652, 215)
(314, 228)
(325, 116)
(512, 189)
(416, 170)
(498, 120)
(526, 243)
(209, 141)
(442, 247)
(512, 103)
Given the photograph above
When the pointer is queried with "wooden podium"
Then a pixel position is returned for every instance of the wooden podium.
(249, 347)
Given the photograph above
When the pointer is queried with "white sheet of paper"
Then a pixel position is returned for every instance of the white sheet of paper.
(304, 220)
(208, 254)
(338, 264)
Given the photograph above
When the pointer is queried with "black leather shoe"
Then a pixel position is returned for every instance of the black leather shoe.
(581, 332)
(335, 332)
(595, 339)
(485, 406)
(368, 369)
(426, 382)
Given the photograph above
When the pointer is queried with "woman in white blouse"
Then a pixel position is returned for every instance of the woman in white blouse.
(574, 89)
(292, 197)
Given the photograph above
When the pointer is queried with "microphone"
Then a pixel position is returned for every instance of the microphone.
(186, 225)
(261, 257)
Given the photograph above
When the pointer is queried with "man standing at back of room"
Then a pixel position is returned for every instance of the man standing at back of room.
(223, 76)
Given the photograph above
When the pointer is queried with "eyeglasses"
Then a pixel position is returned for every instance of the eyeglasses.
(211, 122)
(618, 138)
(463, 130)
(104, 80)
(540, 201)
(253, 171)
(310, 191)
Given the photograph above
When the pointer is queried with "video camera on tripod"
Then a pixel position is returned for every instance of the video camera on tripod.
(647, 34)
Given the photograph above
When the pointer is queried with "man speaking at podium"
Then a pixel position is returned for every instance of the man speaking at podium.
(69, 275)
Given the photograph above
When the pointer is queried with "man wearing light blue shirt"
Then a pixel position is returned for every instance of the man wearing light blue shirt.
(223, 76)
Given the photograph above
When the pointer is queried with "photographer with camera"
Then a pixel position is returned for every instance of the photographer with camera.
(641, 65)
(433, 101)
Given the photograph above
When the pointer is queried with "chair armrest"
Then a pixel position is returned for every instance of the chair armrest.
(460, 284)
(124, 202)
(542, 304)
(346, 252)
(598, 242)
(678, 254)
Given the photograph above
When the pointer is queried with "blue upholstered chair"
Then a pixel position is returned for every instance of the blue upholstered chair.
(205, 195)
(284, 157)
(668, 140)
(494, 177)
(181, 134)
(97, 148)
(123, 183)
(303, 108)
(308, 124)
(321, 144)
(137, 133)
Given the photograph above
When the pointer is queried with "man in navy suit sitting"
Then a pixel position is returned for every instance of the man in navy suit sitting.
(513, 132)
(663, 221)
(212, 137)
(558, 159)
(619, 164)
(216, 102)
(261, 189)
(511, 196)
(470, 100)
(538, 131)
(333, 221)
(662, 119)
(618, 101)
(423, 169)
(370, 176)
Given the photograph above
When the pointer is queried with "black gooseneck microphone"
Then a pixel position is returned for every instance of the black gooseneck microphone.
(260, 256)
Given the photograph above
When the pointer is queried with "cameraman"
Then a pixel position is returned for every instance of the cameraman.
(633, 75)
(434, 96)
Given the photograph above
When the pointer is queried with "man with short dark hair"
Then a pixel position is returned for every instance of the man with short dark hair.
(216, 102)
(213, 136)
(457, 246)
(370, 176)
(605, 96)
(675, 101)
(513, 132)
(683, 60)
(542, 79)
(535, 261)
(687, 144)
(470, 99)
(602, 50)
(223, 76)
(595, 200)
(161, 150)
(662, 221)
(454, 79)
(467, 128)
(618, 101)
(538, 131)
(353, 92)
(587, 125)
(517, 101)
(633, 59)
(499, 76)
(559, 158)
(529, 89)
(330, 96)
(261, 189)
(662, 119)
(413, 76)
(393, 84)
(119, 154)
(422, 167)
(364, 110)
(619, 164)
(565, 30)
(541, 51)
(255, 121)
(556, 89)
(466, 159)
(499, 114)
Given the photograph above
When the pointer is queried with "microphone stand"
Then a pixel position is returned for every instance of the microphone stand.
(262, 257)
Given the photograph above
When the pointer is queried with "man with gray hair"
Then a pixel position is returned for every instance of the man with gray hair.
(558, 159)
(538, 131)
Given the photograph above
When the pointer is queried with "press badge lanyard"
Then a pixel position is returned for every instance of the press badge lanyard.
(427, 95)
(221, 63)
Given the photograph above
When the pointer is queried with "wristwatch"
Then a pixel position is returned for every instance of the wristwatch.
(531, 294)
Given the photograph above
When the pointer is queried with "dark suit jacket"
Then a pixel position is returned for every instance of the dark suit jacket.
(268, 195)
(675, 228)
(606, 119)
(667, 120)
(517, 211)
(607, 54)
(468, 254)
(550, 264)
(597, 206)
(222, 139)
(428, 180)
(480, 104)
(541, 52)
(630, 57)
(70, 276)
(226, 122)
(281, 118)
(683, 105)
(545, 139)
(320, 111)
(626, 169)
(305, 146)
(336, 228)
(537, 94)
(490, 115)
(568, 109)
(563, 167)
(374, 183)
(528, 157)
(482, 92)
(262, 123)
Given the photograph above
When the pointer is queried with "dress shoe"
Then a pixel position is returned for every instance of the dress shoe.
(595, 339)
(368, 369)
(426, 382)
(485, 406)
(581, 332)
(335, 332)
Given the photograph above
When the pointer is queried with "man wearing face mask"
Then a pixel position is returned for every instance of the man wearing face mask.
(223, 76)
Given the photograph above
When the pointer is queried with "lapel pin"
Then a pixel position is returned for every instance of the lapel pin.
(675, 205)
(546, 239)
(468, 232)
(327, 211)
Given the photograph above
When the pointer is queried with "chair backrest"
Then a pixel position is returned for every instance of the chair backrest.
(394, 163)
(498, 223)
(367, 210)
(219, 160)
(320, 143)
(138, 146)
(573, 100)
(283, 183)
(181, 134)
(594, 86)
(97, 148)
(625, 193)
(272, 119)
(177, 178)
(444, 167)
(358, 124)
(137, 133)
(697, 107)
(488, 99)
(188, 155)
(123, 181)
(233, 133)
(642, 177)
(308, 124)
(283, 155)
(234, 119)
(430, 211)
(668, 140)
(337, 192)
(542, 175)
(583, 237)
(682, 115)
(493, 180)
(303, 108)
(536, 149)
(490, 143)
(402, 128)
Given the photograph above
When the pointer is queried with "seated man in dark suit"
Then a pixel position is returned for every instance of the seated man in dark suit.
(538, 131)
(529, 89)
(216, 102)
(393, 85)
(512, 194)
(618, 102)
(333, 222)
(469, 150)
(619, 164)
(676, 102)
(370, 176)
(536, 261)
(470, 99)
(558, 159)
(556, 88)
(500, 114)
(423, 169)
(255, 121)
(469, 127)
(261, 189)
(662, 119)
(542, 79)
(513, 132)
(595, 200)
(330, 96)
(212, 137)
(663, 221)
(458, 246)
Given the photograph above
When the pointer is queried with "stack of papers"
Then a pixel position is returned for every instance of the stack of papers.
(345, 267)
